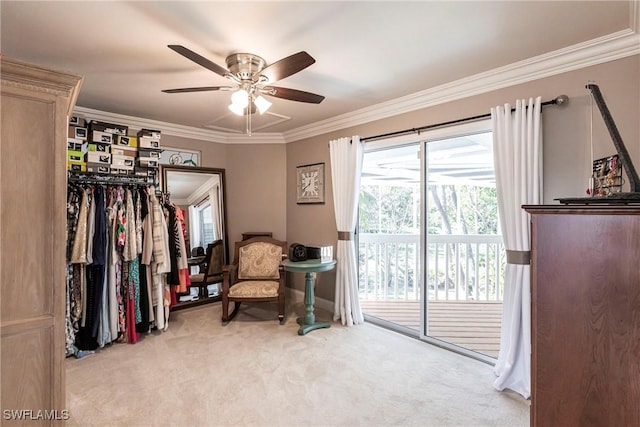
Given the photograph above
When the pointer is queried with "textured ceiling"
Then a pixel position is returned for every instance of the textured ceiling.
(366, 52)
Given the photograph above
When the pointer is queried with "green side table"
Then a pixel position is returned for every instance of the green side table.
(308, 322)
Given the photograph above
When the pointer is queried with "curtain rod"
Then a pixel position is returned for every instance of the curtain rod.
(559, 100)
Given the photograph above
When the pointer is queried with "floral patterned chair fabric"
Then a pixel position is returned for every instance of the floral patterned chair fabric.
(256, 275)
(259, 260)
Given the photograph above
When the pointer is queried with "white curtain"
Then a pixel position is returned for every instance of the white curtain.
(216, 211)
(517, 148)
(194, 229)
(346, 166)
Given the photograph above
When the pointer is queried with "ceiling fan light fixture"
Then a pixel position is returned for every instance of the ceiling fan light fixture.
(240, 98)
(262, 104)
(237, 109)
(250, 74)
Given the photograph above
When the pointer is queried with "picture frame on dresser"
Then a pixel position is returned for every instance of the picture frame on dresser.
(310, 184)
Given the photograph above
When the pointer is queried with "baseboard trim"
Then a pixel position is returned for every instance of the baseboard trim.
(296, 296)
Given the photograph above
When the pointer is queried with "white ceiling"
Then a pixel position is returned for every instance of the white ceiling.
(367, 53)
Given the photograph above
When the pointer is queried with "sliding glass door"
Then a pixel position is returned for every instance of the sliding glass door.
(431, 256)
(464, 254)
(389, 236)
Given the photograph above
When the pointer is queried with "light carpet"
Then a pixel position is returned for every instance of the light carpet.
(256, 372)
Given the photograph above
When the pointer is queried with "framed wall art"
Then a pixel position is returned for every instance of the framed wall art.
(179, 157)
(310, 183)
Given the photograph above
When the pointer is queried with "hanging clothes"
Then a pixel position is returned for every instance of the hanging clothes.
(182, 262)
(118, 260)
(87, 337)
(142, 210)
(161, 263)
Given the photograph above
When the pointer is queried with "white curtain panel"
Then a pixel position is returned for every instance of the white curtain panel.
(346, 166)
(216, 211)
(194, 232)
(517, 148)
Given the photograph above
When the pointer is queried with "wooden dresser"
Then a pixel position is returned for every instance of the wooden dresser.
(585, 325)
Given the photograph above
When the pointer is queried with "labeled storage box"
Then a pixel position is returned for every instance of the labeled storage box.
(104, 148)
(123, 150)
(75, 156)
(129, 141)
(95, 125)
(78, 121)
(121, 171)
(75, 144)
(76, 166)
(148, 142)
(147, 152)
(140, 171)
(122, 161)
(77, 133)
(98, 168)
(149, 133)
(101, 137)
(98, 157)
(148, 162)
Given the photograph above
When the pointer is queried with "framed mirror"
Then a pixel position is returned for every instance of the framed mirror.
(200, 192)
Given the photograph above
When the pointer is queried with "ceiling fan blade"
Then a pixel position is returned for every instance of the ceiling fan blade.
(197, 89)
(287, 66)
(201, 60)
(292, 94)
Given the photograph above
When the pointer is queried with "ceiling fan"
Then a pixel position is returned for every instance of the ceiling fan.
(252, 78)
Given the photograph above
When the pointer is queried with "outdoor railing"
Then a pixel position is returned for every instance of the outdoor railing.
(460, 267)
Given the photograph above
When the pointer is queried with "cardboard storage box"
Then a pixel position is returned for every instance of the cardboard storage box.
(146, 152)
(76, 166)
(129, 141)
(77, 133)
(119, 161)
(148, 142)
(121, 171)
(140, 171)
(75, 156)
(78, 121)
(98, 157)
(147, 162)
(101, 137)
(149, 133)
(74, 144)
(98, 168)
(104, 148)
(95, 125)
(122, 150)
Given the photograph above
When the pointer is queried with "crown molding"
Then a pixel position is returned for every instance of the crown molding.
(603, 49)
(180, 130)
(611, 47)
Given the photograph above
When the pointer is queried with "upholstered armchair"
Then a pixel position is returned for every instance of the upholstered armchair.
(256, 275)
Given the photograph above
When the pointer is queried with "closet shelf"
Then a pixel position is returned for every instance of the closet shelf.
(96, 178)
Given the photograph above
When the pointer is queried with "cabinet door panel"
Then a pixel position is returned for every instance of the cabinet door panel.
(27, 287)
(586, 318)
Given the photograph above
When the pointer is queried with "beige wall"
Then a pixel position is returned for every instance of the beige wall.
(261, 178)
(565, 134)
(256, 190)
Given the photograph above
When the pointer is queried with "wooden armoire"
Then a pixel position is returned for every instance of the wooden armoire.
(585, 315)
(36, 104)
